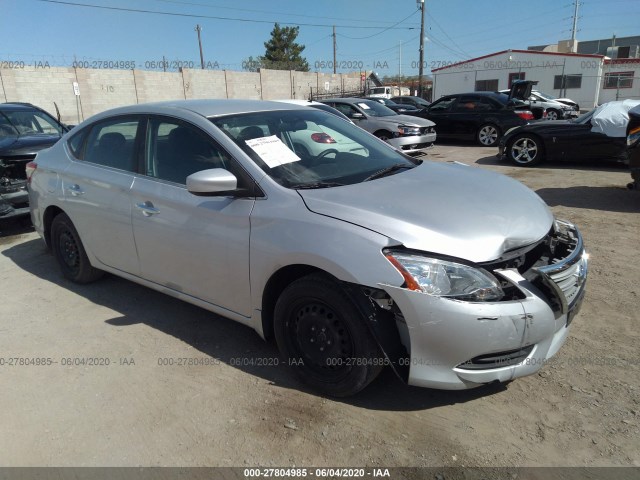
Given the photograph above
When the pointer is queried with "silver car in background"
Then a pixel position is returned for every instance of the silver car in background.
(352, 255)
(412, 135)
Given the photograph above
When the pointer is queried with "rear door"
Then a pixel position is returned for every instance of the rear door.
(96, 187)
(194, 245)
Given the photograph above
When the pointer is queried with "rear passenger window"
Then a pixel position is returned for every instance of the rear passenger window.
(112, 143)
(76, 143)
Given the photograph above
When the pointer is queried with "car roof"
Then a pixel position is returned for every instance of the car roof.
(495, 95)
(206, 108)
(18, 106)
(348, 100)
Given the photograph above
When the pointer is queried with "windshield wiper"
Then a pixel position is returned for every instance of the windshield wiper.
(309, 186)
(387, 171)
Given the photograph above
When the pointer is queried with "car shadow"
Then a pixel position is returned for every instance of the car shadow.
(610, 199)
(15, 226)
(222, 339)
(602, 166)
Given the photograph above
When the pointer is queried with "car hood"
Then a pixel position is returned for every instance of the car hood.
(407, 120)
(448, 209)
(15, 145)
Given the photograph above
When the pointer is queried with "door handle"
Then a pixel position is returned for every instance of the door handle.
(75, 190)
(147, 209)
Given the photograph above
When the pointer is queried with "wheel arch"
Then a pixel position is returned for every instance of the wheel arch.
(380, 322)
(381, 131)
(276, 284)
(51, 212)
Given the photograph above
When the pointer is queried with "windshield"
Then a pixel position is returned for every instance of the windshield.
(309, 148)
(27, 122)
(545, 95)
(375, 109)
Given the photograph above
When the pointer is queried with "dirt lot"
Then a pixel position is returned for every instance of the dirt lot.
(581, 409)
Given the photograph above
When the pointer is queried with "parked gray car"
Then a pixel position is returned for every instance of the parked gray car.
(412, 135)
(302, 226)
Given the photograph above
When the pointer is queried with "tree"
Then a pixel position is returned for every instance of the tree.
(252, 64)
(282, 51)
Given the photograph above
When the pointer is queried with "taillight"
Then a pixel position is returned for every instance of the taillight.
(322, 138)
(30, 169)
(525, 114)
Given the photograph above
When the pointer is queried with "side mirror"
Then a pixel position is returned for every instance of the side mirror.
(356, 116)
(212, 182)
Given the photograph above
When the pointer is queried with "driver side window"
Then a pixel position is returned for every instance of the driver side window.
(176, 149)
(442, 105)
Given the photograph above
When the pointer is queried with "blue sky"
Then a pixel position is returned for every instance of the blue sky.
(372, 34)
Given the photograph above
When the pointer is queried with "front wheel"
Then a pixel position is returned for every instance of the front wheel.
(525, 150)
(70, 253)
(488, 135)
(323, 336)
(553, 114)
(383, 135)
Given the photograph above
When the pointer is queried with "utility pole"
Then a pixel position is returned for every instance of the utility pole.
(334, 49)
(421, 67)
(574, 30)
(400, 65)
(199, 29)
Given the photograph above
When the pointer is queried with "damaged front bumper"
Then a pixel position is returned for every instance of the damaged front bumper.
(457, 345)
(14, 198)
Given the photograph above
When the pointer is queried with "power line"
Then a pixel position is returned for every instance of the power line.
(388, 28)
(206, 5)
(211, 17)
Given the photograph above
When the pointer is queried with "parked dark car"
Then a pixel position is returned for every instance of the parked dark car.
(394, 106)
(24, 130)
(480, 116)
(633, 143)
(592, 136)
(417, 102)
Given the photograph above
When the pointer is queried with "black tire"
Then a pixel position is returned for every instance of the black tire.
(69, 251)
(525, 150)
(553, 114)
(383, 135)
(488, 135)
(323, 336)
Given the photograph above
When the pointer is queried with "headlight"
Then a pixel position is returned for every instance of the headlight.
(446, 279)
(404, 130)
(634, 137)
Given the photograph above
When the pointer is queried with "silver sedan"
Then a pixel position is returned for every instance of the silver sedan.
(309, 230)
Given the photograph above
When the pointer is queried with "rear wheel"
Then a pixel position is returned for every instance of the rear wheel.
(525, 150)
(70, 253)
(488, 135)
(323, 336)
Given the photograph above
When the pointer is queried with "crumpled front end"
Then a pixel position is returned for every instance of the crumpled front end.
(455, 344)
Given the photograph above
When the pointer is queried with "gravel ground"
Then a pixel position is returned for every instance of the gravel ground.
(582, 409)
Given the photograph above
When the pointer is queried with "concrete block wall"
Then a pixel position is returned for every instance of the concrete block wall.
(42, 87)
(158, 86)
(276, 84)
(204, 83)
(102, 89)
(303, 82)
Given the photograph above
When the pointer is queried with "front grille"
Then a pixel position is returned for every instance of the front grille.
(497, 360)
(566, 274)
(557, 265)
